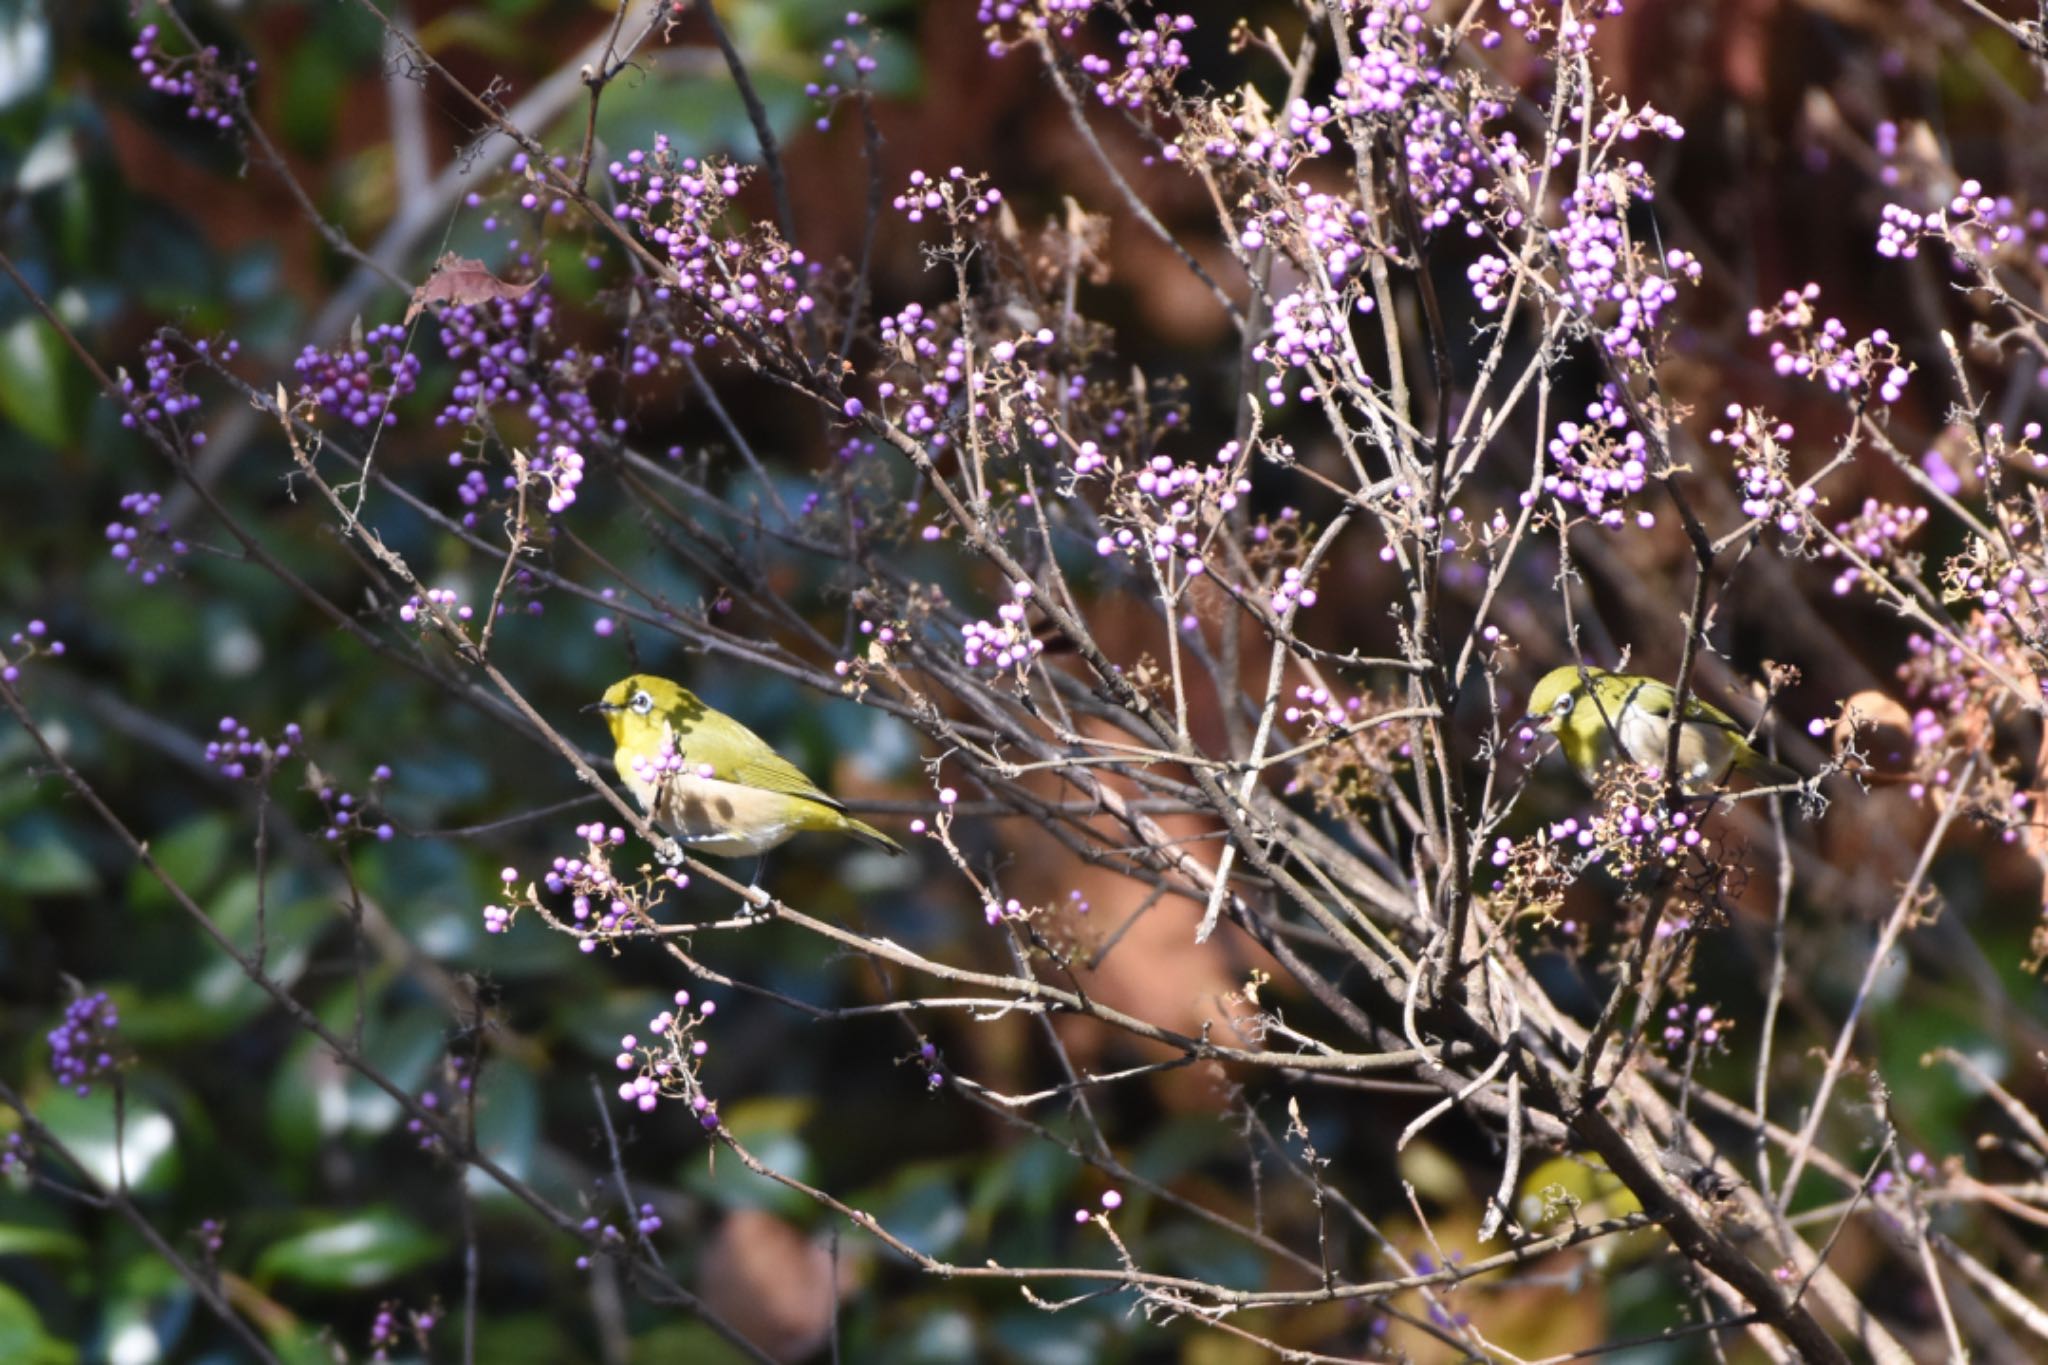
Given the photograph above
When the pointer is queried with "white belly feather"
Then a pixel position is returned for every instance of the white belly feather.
(723, 818)
(1705, 750)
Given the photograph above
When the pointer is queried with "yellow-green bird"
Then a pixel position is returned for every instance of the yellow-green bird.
(1590, 712)
(709, 780)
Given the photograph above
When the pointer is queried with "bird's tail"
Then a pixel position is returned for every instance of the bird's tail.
(1767, 772)
(871, 836)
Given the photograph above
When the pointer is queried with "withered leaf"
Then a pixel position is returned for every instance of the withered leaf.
(462, 281)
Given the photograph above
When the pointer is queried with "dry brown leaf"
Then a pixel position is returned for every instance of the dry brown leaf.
(461, 281)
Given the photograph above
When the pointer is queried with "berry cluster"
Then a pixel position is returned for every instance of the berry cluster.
(665, 1065)
(1695, 1028)
(359, 382)
(747, 285)
(603, 906)
(1762, 447)
(957, 197)
(162, 398)
(1600, 462)
(83, 1047)
(141, 539)
(1813, 348)
(213, 88)
(31, 641)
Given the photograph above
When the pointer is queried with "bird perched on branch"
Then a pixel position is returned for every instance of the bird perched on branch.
(709, 780)
(1594, 712)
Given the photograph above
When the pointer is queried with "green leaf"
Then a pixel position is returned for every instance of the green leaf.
(691, 1341)
(407, 1048)
(32, 382)
(507, 1126)
(37, 861)
(191, 855)
(317, 74)
(942, 1337)
(1031, 1179)
(289, 928)
(359, 1252)
(25, 36)
(22, 1338)
(536, 1339)
(215, 995)
(733, 1186)
(308, 1092)
(768, 1115)
(138, 1329)
(53, 160)
(487, 35)
(431, 892)
(1179, 1146)
(1039, 1338)
(1940, 1097)
(1197, 1249)
(699, 114)
(26, 1239)
(920, 1205)
(148, 1145)
(439, 776)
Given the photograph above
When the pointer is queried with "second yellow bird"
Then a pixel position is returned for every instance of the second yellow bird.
(709, 780)
(1594, 712)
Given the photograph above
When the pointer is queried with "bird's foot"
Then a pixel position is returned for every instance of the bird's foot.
(754, 900)
(669, 852)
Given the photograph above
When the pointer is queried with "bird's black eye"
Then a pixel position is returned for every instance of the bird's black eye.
(642, 703)
(1563, 705)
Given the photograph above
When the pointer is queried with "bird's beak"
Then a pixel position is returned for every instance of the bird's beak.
(604, 707)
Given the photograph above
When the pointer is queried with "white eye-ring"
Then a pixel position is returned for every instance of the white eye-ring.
(642, 703)
(1563, 705)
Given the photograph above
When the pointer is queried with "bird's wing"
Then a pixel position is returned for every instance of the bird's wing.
(1656, 701)
(744, 757)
